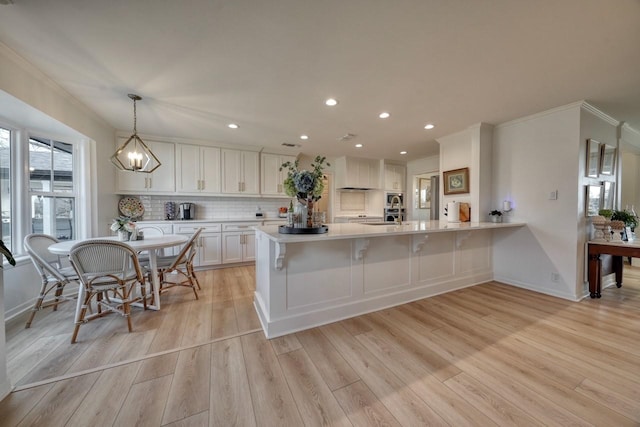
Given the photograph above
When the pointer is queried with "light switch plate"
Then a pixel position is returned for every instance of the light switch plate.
(553, 195)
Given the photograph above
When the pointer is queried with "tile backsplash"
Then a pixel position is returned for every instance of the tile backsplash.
(214, 207)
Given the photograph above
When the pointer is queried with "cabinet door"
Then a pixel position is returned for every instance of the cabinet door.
(231, 247)
(231, 171)
(394, 177)
(272, 178)
(250, 172)
(210, 249)
(210, 170)
(270, 182)
(249, 247)
(164, 178)
(188, 168)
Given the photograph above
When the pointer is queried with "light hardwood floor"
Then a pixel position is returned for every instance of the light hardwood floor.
(487, 355)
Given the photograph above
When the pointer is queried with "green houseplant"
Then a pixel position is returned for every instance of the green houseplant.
(629, 219)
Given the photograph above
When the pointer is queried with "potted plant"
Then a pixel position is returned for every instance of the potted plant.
(607, 213)
(496, 215)
(123, 225)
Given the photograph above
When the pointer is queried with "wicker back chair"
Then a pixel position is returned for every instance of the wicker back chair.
(109, 272)
(182, 264)
(53, 273)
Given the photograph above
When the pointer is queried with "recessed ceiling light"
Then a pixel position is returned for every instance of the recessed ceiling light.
(233, 126)
(429, 126)
(304, 136)
(358, 145)
(403, 152)
(384, 115)
(331, 102)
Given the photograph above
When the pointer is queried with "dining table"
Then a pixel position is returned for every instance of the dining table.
(154, 245)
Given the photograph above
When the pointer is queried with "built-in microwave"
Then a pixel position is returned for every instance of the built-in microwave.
(389, 198)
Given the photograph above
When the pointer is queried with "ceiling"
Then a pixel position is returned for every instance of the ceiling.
(269, 65)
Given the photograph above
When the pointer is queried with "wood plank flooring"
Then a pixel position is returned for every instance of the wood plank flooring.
(487, 355)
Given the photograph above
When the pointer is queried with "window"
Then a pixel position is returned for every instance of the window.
(52, 189)
(5, 186)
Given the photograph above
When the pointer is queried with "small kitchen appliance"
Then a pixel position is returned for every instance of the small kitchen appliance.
(187, 211)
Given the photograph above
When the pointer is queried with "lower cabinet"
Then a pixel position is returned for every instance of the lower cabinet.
(209, 244)
(238, 242)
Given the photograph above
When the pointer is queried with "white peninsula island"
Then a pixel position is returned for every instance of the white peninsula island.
(303, 281)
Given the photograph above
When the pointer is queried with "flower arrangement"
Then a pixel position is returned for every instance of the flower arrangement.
(303, 184)
(123, 223)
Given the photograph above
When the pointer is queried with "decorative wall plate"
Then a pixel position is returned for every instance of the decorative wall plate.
(131, 207)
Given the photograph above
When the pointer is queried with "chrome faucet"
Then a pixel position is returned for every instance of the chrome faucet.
(394, 200)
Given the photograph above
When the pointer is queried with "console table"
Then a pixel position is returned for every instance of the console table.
(617, 250)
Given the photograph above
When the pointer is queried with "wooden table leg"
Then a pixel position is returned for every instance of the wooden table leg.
(617, 268)
(594, 275)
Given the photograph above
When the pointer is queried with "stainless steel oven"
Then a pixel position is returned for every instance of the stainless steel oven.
(389, 199)
(394, 214)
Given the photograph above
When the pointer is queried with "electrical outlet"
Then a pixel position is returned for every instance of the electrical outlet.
(555, 277)
(553, 195)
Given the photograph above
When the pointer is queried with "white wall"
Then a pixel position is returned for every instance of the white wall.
(533, 157)
(24, 82)
(471, 149)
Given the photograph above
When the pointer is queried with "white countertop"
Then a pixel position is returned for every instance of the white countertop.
(363, 230)
(228, 219)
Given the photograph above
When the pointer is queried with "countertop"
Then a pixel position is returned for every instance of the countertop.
(227, 219)
(363, 230)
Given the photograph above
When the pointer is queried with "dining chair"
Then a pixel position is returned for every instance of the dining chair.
(149, 231)
(54, 274)
(180, 265)
(109, 271)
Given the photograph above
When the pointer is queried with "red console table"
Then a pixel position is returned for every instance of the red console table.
(617, 250)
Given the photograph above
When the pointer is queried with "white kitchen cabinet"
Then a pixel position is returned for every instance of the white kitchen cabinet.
(238, 242)
(162, 180)
(240, 172)
(197, 169)
(395, 177)
(208, 245)
(354, 172)
(272, 178)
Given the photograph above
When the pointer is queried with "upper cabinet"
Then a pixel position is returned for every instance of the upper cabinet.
(354, 172)
(271, 177)
(395, 177)
(162, 180)
(240, 172)
(198, 169)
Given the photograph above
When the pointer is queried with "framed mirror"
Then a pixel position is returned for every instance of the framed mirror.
(607, 159)
(593, 158)
(593, 199)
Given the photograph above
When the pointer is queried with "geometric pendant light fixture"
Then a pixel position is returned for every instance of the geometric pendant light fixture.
(134, 155)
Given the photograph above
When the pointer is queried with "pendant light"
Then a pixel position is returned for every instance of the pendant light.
(134, 155)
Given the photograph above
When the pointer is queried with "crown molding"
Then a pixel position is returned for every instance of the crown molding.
(572, 106)
(604, 116)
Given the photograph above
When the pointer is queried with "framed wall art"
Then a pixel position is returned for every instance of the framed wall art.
(593, 199)
(424, 193)
(607, 159)
(593, 158)
(456, 181)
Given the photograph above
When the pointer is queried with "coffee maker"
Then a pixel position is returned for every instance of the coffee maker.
(187, 211)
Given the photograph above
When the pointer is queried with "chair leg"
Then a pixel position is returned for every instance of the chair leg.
(83, 312)
(38, 305)
(127, 314)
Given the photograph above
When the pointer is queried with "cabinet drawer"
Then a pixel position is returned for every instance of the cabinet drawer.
(240, 226)
(191, 227)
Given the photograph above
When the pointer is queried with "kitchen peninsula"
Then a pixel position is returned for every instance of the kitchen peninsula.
(303, 281)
